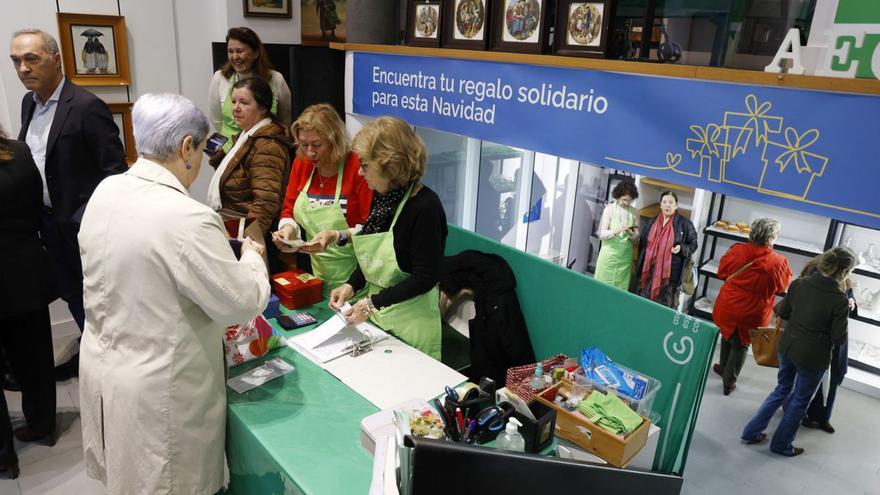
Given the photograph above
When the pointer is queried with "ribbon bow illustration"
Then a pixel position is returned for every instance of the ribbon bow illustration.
(755, 113)
(708, 138)
(795, 150)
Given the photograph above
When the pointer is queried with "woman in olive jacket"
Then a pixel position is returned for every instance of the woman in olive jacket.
(817, 310)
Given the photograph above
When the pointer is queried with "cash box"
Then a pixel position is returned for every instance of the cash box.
(297, 289)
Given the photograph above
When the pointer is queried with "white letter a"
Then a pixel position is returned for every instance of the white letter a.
(789, 49)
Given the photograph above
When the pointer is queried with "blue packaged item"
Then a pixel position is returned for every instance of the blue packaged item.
(273, 309)
(600, 369)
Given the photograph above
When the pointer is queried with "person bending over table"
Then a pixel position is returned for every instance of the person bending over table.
(325, 192)
(400, 248)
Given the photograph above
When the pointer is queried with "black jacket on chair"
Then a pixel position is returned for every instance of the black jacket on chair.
(83, 148)
(26, 284)
(498, 335)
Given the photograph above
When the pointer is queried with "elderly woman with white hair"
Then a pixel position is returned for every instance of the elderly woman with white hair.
(753, 274)
(161, 284)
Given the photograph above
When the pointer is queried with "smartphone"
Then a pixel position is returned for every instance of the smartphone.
(215, 142)
(296, 320)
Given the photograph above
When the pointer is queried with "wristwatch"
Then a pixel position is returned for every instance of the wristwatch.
(342, 240)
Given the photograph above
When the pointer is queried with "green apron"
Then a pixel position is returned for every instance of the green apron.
(614, 264)
(415, 321)
(336, 264)
(228, 127)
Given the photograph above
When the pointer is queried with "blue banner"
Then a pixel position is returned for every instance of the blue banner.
(808, 150)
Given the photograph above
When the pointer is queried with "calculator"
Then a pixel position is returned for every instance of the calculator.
(296, 320)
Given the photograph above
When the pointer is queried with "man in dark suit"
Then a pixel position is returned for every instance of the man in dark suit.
(75, 144)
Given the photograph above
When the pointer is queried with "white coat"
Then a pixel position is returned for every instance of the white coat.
(160, 285)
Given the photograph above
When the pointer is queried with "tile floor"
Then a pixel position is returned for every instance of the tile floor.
(845, 463)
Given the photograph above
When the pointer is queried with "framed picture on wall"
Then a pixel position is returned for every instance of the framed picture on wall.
(520, 26)
(94, 50)
(466, 24)
(268, 8)
(423, 22)
(323, 21)
(582, 27)
(122, 117)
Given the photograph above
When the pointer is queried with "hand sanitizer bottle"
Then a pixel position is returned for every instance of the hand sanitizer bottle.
(537, 382)
(511, 439)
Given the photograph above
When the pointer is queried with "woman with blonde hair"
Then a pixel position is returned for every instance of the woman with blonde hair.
(817, 310)
(400, 248)
(325, 192)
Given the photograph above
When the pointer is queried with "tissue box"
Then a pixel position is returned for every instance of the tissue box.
(297, 289)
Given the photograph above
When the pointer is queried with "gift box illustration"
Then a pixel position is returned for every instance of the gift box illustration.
(708, 152)
(791, 166)
(747, 133)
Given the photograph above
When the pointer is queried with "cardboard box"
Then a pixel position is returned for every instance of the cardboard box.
(576, 428)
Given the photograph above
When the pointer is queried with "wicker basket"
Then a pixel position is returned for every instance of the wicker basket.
(517, 380)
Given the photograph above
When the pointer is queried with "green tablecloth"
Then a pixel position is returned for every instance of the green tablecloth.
(299, 433)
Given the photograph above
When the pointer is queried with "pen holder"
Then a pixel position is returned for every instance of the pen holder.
(472, 407)
(539, 433)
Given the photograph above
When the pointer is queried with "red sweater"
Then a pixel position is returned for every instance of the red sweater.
(354, 198)
(746, 301)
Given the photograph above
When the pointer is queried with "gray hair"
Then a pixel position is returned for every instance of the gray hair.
(162, 121)
(764, 231)
(49, 43)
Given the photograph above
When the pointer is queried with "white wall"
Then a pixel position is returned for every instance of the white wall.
(169, 50)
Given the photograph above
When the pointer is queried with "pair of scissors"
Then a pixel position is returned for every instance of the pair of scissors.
(494, 418)
(451, 394)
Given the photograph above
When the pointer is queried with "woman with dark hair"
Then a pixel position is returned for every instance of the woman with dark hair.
(753, 274)
(246, 58)
(248, 179)
(665, 244)
(25, 293)
(817, 310)
(618, 230)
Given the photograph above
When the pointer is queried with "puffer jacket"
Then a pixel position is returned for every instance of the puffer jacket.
(253, 183)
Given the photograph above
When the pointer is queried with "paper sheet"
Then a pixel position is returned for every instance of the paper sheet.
(394, 372)
(333, 339)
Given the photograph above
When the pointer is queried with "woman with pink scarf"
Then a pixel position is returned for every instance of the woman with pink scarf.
(666, 243)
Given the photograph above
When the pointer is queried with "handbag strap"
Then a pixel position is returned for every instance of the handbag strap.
(740, 270)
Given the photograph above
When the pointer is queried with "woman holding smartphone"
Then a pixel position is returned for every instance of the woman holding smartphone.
(618, 231)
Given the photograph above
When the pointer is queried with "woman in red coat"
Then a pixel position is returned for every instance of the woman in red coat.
(753, 274)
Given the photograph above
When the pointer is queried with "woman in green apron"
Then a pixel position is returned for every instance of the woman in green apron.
(325, 192)
(400, 248)
(618, 230)
(246, 58)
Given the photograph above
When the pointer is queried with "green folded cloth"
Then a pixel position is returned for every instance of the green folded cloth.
(610, 413)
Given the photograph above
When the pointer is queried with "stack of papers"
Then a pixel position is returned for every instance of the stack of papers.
(334, 338)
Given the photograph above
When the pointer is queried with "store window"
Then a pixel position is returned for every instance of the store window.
(500, 193)
(447, 171)
(552, 200)
(739, 34)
